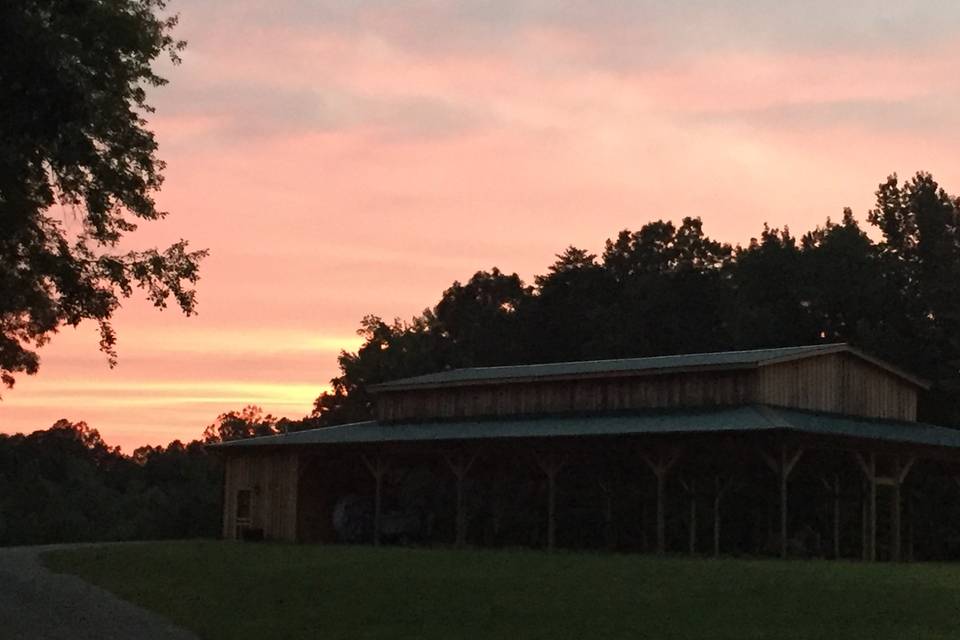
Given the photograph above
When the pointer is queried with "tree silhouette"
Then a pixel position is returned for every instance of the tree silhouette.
(78, 170)
(249, 422)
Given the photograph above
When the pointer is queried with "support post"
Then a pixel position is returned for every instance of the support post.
(869, 467)
(551, 465)
(460, 466)
(660, 464)
(607, 488)
(896, 544)
(691, 489)
(900, 471)
(783, 467)
(864, 524)
(720, 488)
(834, 489)
(377, 468)
(910, 550)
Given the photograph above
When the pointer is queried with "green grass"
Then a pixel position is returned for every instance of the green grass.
(266, 591)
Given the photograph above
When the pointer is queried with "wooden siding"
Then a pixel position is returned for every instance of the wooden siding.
(272, 478)
(835, 383)
(813, 383)
(587, 395)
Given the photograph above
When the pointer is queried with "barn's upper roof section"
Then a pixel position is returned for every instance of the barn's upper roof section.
(719, 360)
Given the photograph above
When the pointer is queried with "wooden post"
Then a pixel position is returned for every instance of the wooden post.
(834, 489)
(900, 472)
(783, 467)
(661, 515)
(864, 524)
(377, 468)
(896, 544)
(661, 464)
(869, 468)
(720, 489)
(460, 466)
(836, 518)
(910, 526)
(607, 488)
(895, 481)
(551, 465)
(691, 490)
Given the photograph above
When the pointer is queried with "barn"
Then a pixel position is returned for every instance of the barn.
(696, 452)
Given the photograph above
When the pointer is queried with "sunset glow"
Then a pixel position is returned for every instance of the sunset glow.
(344, 159)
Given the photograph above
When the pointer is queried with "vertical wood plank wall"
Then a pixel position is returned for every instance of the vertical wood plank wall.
(272, 477)
(591, 394)
(836, 383)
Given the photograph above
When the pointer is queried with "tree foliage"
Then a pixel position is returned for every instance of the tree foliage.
(79, 170)
(65, 484)
(249, 422)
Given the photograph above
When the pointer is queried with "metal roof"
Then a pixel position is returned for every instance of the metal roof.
(657, 364)
(747, 418)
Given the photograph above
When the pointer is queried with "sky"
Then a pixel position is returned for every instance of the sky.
(342, 158)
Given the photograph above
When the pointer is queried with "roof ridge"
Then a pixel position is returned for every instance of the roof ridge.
(666, 355)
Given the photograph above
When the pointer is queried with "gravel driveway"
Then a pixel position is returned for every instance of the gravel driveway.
(37, 604)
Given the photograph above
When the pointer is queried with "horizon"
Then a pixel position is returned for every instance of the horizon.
(345, 162)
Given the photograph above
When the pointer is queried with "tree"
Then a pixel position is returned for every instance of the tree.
(389, 351)
(660, 247)
(79, 169)
(574, 297)
(770, 305)
(473, 324)
(670, 290)
(65, 484)
(249, 422)
(480, 318)
(920, 255)
(842, 308)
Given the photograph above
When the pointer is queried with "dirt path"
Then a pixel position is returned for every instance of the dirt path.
(37, 604)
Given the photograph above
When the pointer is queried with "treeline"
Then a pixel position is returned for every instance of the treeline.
(670, 288)
(66, 484)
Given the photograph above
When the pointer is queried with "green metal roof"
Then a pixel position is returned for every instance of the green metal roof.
(748, 418)
(657, 364)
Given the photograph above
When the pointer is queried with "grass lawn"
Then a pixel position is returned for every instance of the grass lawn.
(272, 591)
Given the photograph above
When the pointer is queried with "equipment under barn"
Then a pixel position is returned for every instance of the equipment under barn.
(810, 450)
